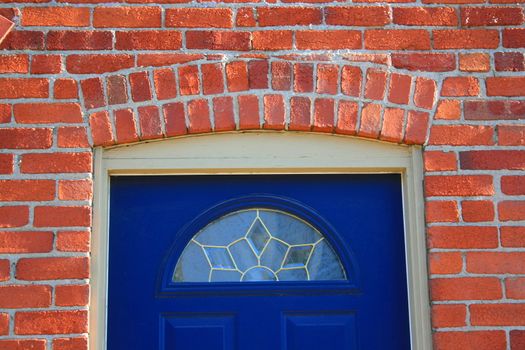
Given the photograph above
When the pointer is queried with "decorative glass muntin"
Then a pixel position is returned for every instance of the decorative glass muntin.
(258, 245)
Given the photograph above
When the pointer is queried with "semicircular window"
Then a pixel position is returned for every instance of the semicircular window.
(258, 245)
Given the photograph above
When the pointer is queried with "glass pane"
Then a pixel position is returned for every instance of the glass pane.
(258, 245)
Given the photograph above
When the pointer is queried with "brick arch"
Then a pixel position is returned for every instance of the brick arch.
(248, 93)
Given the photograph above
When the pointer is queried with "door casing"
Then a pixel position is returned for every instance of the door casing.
(264, 153)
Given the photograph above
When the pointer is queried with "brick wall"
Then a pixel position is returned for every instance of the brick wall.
(448, 74)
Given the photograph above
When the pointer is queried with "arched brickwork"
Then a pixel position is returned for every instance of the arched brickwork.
(363, 99)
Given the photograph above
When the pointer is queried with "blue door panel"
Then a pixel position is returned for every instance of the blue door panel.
(147, 213)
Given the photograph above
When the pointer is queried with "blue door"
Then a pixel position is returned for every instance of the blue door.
(257, 262)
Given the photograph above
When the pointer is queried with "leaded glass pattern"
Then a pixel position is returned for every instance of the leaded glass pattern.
(258, 245)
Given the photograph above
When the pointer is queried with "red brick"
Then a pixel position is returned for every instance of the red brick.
(4, 270)
(218, 40)
(395, 39)
(127, 17)
(25, 242)
(6, 163)
(97, 64)
(459, 185)
(357, 16)
(24, 296)
(165, 84)
(399, 89)
(4, 324)
(5, 113)
(462, 237)
(149, 122)
(461, 135)
(274, 112)
(65, 89)
(189, 80)
(14, 64)
(474, 62)
(14, 216)
(51, 322)
(424, 95)
(440, 161)
(101, 130)
(460, 86)
(212, 79)
(75, 189)
(470, 340)
(25, 138)
(72, 241)
(509, 61)
(199, 18)
(513, 185)
(300, 113)
(116, 89)
(140, 87)
(514, 38)
(446, 315)
(505, 86)
(281, 75)
(517, 339)
(237, 76)
(351, 78)
(392, 129)
(511, 210)
(441, 211)
(375, 84)
(72, 295)
(199, 116)
(515, 288)
(327, 79)
(46, 64)
(513, 236)
(496, 262)
(448, 110)
(70, 343)
(223, 113)
(56, 216)
(323, 115)
(148, 40)
(258, 74)
(126, 130)
(24, 40)
(23, 88)
(328, 39)
(27, 190)
(174, 119)
(93, 93)
(38, 344)
(79, 40)
(494, 110)
(33, 113)
(429, 62)
(416, 127)
(249, 112)
(303, 77)
(72, 137)
(425, 16)
(445, 263)
(492, 160)
(288, 16)
(466, 39)
(347, 117)
(491, 16)
(477, 211)
(245, 17)
(465, 289)
(370, 121)
(497, 314)
(56, 16)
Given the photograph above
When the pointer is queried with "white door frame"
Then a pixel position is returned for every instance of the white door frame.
(264, 153)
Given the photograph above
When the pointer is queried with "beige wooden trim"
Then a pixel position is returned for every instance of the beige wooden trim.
(265, 153)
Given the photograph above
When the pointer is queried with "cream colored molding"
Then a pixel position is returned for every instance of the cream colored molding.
(265, 153)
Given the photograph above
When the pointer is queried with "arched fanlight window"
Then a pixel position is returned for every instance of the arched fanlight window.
(258, 245)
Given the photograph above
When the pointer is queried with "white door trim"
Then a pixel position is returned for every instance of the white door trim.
(264, 153)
